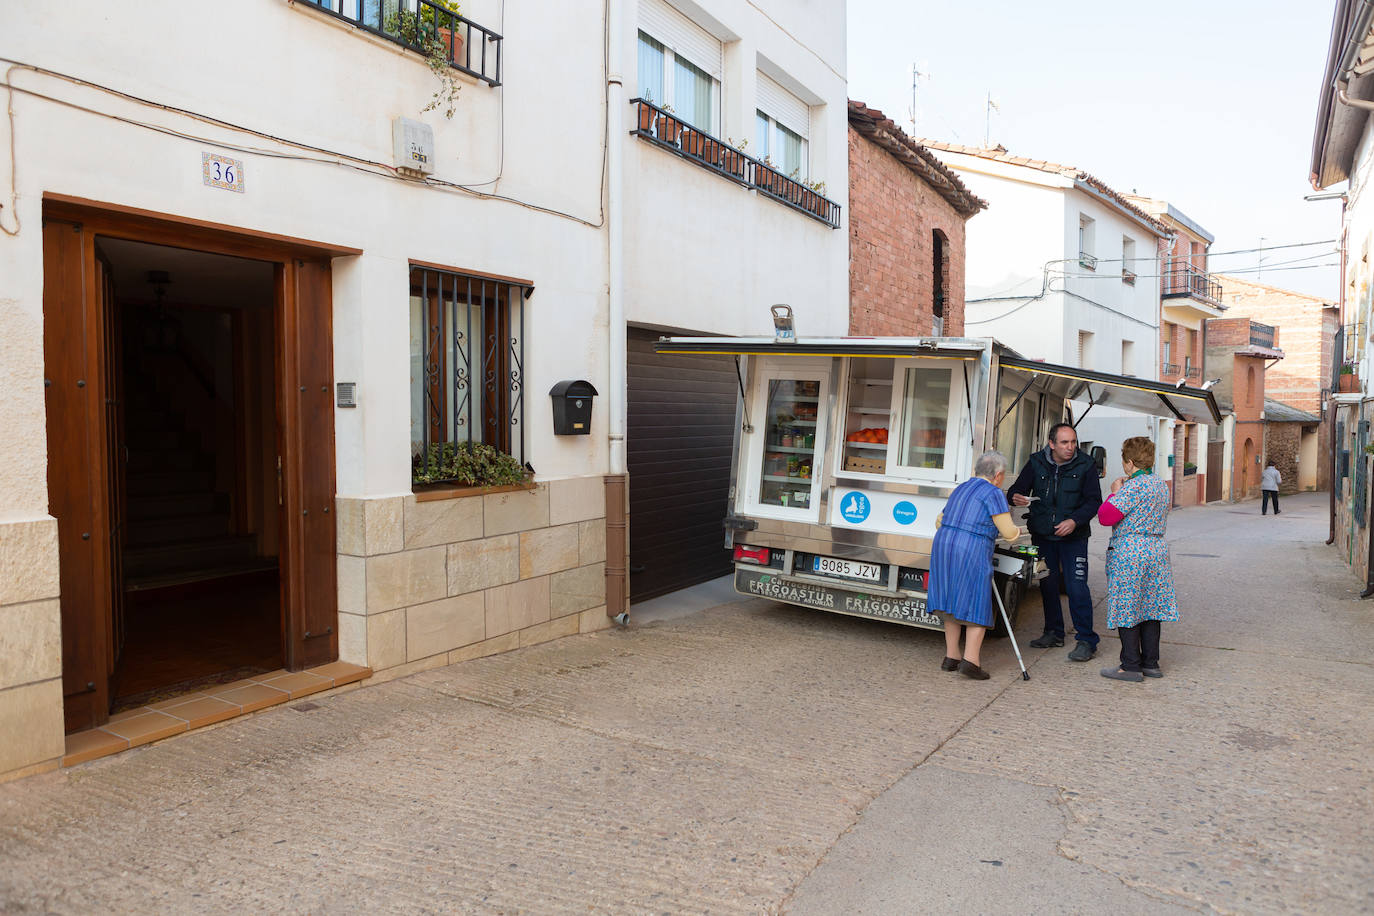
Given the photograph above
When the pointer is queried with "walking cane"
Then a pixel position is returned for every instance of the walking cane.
(1025, 675)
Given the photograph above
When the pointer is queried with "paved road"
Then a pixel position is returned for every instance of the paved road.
(749, 757)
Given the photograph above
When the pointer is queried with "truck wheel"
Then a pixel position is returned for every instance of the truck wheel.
(1011, 590)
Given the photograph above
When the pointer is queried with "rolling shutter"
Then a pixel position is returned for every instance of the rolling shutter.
(683, 36)
(681, 414)
(783, 106)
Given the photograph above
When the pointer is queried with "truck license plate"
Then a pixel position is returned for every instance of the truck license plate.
(830, 566)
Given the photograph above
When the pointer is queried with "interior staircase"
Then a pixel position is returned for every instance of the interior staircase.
(177, 520)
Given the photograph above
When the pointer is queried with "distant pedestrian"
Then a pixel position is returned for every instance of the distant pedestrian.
(1140, 582)
(1269, 488)
(961, 561)
(1060, 486)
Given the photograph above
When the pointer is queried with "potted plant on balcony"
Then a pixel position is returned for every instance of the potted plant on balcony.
(467, 464)
(1348, 380)
(430, 30)
(736, 160)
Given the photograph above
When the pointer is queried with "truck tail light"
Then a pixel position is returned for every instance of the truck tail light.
(745, 554)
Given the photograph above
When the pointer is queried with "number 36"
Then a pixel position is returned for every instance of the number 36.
(224, 172)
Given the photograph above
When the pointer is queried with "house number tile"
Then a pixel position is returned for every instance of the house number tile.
(222, 172)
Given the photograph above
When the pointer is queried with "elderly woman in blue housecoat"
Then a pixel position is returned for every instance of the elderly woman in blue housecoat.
(961, 561)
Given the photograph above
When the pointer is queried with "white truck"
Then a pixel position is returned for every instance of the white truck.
(847, 448)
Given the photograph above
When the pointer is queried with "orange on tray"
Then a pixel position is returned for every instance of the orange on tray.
(871, 435)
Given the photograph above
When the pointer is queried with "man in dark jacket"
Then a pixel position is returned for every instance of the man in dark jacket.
(1060, 486)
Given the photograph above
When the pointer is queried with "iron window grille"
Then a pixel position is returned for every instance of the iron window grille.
(467, 362)
(1128, 277)
(415, 24)
(1087, 261)
(667, 131)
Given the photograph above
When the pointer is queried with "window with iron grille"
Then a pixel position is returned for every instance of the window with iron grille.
(467, 343)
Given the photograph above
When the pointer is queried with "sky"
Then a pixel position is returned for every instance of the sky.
(1209, 105)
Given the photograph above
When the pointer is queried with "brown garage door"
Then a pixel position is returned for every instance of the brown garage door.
(681, 420)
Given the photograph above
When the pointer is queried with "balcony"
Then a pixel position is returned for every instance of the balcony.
(1261, 335)
(1187, 280)
(428, 29)
(665, 130)
(1192, 374)
(1169, 369)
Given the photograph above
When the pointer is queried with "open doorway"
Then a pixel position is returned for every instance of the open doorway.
(188, 374)
(194, 475)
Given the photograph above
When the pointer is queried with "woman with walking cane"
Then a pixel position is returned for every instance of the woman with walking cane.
(1140, 582)
(961, 561)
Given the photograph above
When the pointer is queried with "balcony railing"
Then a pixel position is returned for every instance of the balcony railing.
(1170, 369)
(421, 26)
(663, 128)
(1187, 280)
(1192, 373)
(1261, 335)
(1087, 261)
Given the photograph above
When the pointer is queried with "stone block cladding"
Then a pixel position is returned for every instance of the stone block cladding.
(31, 726)
(1283, 442)
(893, 215)
(433, 582)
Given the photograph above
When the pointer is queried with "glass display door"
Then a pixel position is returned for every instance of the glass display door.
(791, 429)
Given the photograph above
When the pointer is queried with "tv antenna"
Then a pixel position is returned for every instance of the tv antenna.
(917, 75)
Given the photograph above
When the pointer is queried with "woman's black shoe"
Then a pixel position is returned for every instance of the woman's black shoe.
(949, 664)
(969, 669)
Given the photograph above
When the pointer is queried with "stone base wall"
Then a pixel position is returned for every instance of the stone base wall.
(31, 724)
(432, 582)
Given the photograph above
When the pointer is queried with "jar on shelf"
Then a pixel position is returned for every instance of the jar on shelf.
(793, 466)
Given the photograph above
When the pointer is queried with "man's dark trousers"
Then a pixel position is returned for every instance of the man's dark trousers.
(1068, 565)
(1268, 495)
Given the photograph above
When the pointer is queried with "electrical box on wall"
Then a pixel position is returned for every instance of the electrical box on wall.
(412, 144)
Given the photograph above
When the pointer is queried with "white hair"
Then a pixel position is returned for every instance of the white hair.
(990, 464)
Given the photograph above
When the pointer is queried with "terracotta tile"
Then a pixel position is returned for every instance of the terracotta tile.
(204, 711)
(301, 683)
(254, 696)
(89, 745)
(341, 672)
(145, 728)
(221, 689)
(178, 701)
(129, 713)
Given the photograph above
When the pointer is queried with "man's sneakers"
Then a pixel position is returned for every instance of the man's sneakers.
(1082, 652)
(1047, 640)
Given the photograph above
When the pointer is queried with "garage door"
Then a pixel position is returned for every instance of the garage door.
(680, 437)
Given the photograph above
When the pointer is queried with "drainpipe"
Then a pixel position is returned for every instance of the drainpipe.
(617, 489)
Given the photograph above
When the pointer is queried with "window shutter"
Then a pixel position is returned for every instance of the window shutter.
(783, 106)
(682, 35)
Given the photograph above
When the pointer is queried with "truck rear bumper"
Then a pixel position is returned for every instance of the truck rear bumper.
(834, 597)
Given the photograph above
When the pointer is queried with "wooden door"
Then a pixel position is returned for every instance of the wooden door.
(78, 472)
(306, 437)
(116, 453)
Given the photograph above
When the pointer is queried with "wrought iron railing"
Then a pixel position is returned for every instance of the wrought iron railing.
(664, 129)
(421, 26)
(467, 380)
(1187, 280)
(1170, 369)
(1192, 373)
(1261, 335)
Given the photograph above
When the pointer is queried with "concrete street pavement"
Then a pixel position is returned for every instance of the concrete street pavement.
(751, 757)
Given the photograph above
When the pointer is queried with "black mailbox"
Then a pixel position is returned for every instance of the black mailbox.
(572, 407)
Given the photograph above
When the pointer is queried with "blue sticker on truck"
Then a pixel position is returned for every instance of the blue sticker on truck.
(904, 513)
(854, 507)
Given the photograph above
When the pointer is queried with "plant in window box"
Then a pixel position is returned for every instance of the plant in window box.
(467, 464)
(693, 142)
(735, 160)
(667, 128)
(434, 31)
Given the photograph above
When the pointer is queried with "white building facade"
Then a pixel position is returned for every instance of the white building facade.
(257, 282)
(1063, 268)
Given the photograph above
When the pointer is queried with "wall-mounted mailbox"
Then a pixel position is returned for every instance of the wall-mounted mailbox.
(572, 407)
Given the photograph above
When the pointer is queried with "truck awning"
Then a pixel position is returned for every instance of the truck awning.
(1123, 392)
(887, 347)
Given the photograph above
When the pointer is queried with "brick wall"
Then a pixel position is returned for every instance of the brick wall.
(893, 215)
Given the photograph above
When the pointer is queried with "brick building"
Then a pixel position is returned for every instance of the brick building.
(1303, 380)
(906, 233)
(1236, 352)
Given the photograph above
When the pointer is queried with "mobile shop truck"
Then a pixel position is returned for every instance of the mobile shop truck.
(846, 450)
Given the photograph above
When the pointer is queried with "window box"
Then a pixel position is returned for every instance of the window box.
(1127, 277)
(431, 492)
(1087, 261)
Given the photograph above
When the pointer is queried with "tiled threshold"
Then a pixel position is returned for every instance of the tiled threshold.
(194, 710)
